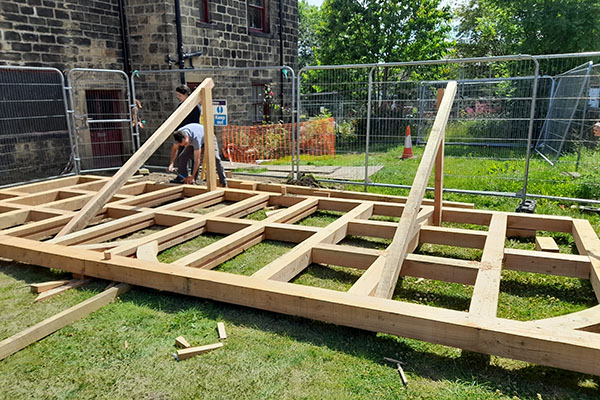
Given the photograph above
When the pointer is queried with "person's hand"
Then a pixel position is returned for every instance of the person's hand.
(189, 180)
(171, 168)
(596, 129)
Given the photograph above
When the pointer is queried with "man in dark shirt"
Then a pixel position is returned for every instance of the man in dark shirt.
(183, 92)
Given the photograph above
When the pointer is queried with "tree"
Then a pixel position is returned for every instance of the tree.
(309, 19)
(500, 27)
(370, 31)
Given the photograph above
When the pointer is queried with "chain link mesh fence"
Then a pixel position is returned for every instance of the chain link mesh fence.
(34, 132)
(101, 118)
(253, 114)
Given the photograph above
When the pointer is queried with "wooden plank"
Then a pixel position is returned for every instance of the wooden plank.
(399, 247)
(587, 243)
(45, 286)
(148, 251)
(72, 284)
(82, 218)
(289, 233)
(573, 350)
(543, 243)
(552, 223)
(221, 330)
(184, 354)
(453, 237)
(40, 330)
(484, 301)
(572, 265)
(344, 256)
(439, 173)
(209, 137)
(463, 216)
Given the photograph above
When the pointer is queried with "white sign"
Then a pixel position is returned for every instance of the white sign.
(220, 112)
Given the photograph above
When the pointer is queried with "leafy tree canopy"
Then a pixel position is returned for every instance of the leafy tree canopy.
(369, 31)
(309, 19)
(499, 27)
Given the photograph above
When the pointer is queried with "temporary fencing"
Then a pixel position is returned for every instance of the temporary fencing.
(34, 129)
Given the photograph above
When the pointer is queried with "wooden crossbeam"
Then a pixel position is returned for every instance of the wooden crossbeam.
(40, 330)
(399, 247)
(81, 219)
(484, 301)
(72, 284)
(576, 266)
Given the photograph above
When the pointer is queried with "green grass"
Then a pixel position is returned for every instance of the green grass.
(123, 351)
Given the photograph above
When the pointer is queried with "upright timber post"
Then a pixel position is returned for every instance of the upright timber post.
(439, 172)
(89, 211)
(209, 138)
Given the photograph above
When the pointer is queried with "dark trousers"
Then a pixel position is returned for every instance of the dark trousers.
(185, 154)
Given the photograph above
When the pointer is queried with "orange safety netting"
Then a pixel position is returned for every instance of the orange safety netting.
(246, 144)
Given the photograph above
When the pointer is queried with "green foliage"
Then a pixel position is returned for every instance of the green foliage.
(309, 20)
(369, 31)
(489, 27)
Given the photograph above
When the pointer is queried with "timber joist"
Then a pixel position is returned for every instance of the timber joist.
(117, 245)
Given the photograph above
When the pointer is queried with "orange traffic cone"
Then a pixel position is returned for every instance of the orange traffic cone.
(407, 153)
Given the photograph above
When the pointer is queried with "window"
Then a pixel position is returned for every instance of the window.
(203, 8)
(259, 107)
(257, 16)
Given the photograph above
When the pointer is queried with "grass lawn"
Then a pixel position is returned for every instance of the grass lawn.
(124, 350)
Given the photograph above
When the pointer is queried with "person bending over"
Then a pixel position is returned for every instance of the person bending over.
(189, 143)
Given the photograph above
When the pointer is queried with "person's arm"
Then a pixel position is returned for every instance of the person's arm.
(192, 178)
(174, 149)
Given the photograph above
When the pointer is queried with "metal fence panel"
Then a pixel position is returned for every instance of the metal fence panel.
(101, 118)
(34, 130)
(375, 106)
(259, 114)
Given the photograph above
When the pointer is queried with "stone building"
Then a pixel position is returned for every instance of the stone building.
(147, 36)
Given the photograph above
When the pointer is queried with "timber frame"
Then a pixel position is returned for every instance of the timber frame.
(32, 215)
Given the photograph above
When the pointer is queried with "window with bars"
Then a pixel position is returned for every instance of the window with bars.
(257, 16)
(203, 9)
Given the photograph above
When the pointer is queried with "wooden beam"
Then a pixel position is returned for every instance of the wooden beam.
(440, 268)
(344, 256)
(484, 301)
(82, 218)
(40, 330)
(72, 284)
(45, 286)
(575, 266)
(399, 247)
(453, 237)
(573, 350)
(209, 138)
(439, 173)
(587, 243)
(182, 343)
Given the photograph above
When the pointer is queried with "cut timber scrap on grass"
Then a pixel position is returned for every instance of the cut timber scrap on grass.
(45, 286)
(570, 341)
(184, 354)
(31, 335)
(221, 330)
(181, 342)
(72, 284)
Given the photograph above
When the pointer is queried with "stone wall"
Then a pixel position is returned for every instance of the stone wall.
(60, 34)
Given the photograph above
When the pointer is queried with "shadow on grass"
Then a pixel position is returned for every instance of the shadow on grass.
(581, 293)
(421, 358)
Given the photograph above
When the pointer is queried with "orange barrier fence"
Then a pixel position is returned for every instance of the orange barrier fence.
(246, 144)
